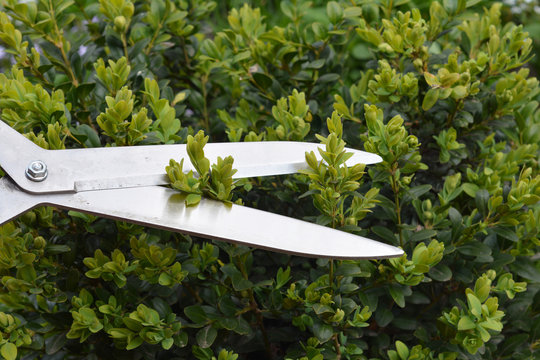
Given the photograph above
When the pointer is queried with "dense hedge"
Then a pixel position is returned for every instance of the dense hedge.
(441, 92)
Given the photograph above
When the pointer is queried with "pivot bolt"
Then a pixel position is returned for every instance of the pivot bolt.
(36, 171)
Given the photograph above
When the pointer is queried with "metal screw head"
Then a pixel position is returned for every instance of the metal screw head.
(36, 171)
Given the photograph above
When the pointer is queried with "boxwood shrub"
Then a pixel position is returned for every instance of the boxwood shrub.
(440, 90)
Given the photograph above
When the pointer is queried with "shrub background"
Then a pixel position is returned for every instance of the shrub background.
(444, 92)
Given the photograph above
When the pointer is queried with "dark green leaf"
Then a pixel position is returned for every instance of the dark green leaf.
(417, 191)
(202, 354)
(86, 135)
(227, 306)
(385, 233)
(383, 316)
(526, 269)
(351, 269)
(507, 233)
(206, 336)
(481, 199)
(316, 64)
(55, 249)
(397, 294)
(84, 89)
(474, 248)
(263, 80)
(196, 314)
(161, 306)
(323, 332)
(423, 235)
(54, 343)
(512, 343)
(326, 78)
(440, 273)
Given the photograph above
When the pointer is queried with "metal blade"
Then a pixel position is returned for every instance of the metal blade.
(14, 201)
(133, 166)
(164, 208)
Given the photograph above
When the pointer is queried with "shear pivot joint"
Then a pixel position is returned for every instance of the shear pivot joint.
(36, 171)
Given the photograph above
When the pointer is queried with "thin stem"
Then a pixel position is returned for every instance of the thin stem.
(193, 293)
(82, 10)
(60, 45)
(68, 65)
(206, 117)
(453, 114)
(154, 37)
(255, 307)
(184, 50)
(337, 346)
(38, 74)
(388, 10)
(260, 323)
(265, 92)
(124, 44)
(316, 72)
(395, 188)
(331, 276)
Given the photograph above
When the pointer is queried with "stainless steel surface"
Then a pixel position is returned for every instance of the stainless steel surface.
(14, 201)
(121, 167)
(36, 171)
(164, 208)
(16, 152)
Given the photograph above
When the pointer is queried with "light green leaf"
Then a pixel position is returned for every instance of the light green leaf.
(470, 189)
(430, 99)
(466, 323)
(335, 12)
(475, 305)
(402, 350)
(9, 351)
(134, 343)
(193, 199)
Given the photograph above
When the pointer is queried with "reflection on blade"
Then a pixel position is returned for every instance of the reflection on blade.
(164, 208)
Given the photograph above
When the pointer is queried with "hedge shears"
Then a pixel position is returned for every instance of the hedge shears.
(129, 184)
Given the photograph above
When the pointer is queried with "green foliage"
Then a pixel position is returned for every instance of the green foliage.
(13, 335)
(332, 182)
(411, 272)
(480, 314)
(128, 331)
(113, 77)
(402, 352)
(443, 91)
(216, 183)
(292, 118)
(390, 86)
(114, 121)
(109, 269)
